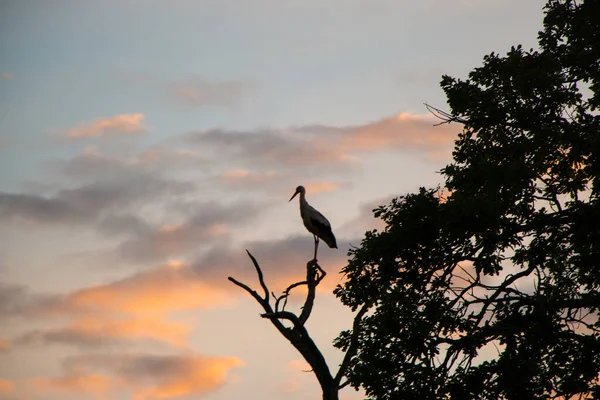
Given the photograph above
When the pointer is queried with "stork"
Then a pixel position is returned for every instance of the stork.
(315, 222)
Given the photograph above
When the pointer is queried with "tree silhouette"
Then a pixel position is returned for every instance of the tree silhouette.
(297, 333)
(489, 287)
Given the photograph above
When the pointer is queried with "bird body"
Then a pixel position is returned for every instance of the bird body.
(314, 221)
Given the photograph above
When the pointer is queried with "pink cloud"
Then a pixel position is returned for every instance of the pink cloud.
(403, 131)
(117, 125)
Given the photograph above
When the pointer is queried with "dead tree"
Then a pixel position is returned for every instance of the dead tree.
(297, 334)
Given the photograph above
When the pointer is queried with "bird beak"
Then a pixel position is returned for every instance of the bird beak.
(293, 196)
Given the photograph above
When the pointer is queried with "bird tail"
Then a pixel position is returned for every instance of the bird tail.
(330, 240)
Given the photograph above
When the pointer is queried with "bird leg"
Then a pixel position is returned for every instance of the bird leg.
(316, 246)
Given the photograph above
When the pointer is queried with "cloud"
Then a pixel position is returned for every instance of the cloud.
(122, 124)
(137, 307)
(7, 76)
(6, 386)
(146, 376)
(282, 261)
(99, 330)
(88, 202)
(320, 145)
(92, 164)
(3, 346)
(94, 385)
(276, 147)
(167, 289)
(208, 222)
(16, 300)
(404, 131)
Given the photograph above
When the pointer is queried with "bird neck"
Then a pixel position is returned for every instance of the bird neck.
(302, 199)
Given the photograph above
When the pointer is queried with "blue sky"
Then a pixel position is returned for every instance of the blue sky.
(144, 142)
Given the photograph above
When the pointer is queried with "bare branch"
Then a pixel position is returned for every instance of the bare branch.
(260, 276)
(247, 289)
(293, 318)
(298, 335)
(444, 116)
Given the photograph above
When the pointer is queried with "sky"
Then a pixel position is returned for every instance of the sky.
(145, 144)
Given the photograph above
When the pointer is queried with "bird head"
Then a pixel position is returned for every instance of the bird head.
(299, 189)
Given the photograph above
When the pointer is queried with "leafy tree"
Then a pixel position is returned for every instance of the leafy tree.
(489, 288)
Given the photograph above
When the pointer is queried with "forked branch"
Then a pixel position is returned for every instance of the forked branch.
(297, 334)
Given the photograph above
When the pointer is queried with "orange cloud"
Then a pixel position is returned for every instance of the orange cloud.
(133, 308)
(6, 386)
(146, 376)
(94, 385)
(99, 329)
(7, 75)
(119, 124)
(3, 345)
(167, 289)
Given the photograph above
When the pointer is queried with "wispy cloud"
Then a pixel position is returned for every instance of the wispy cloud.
(7, 75)
(146, 376)
(3, 346)
(122, 124)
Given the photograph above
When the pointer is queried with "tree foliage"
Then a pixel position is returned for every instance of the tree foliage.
(489, 287)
